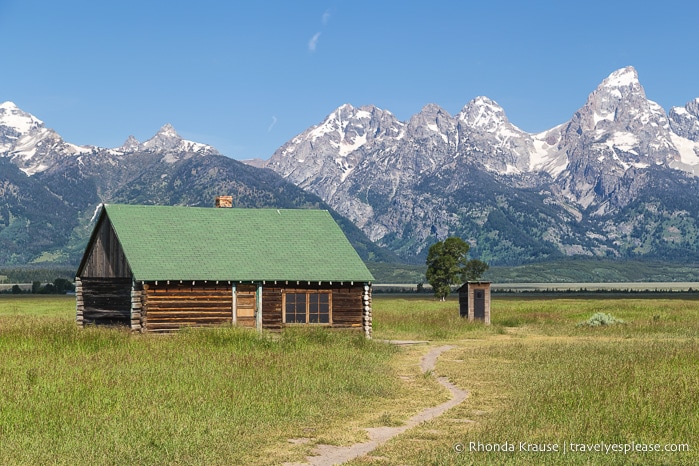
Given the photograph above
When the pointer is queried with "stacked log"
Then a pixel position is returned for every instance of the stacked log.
(79, 302)
(366, 311)
(136, 308)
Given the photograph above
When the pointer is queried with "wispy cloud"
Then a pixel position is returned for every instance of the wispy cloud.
(274, 122)
(313, 43)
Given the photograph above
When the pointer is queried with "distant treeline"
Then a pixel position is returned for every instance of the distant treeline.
(30, 274)
(601, 293)
(58, 286)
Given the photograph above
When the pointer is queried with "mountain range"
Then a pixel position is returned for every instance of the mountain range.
(618, 180)
(50, 189)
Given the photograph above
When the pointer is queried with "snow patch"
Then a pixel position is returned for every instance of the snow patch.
(322, 130)
(346, 148)
(623, 140)
(545, 157)
(75, 149)
(689, 150)
(511, 169)
(346, 170)
(597, 117)
(29, 171)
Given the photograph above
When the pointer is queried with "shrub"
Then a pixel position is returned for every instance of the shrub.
(600, 318)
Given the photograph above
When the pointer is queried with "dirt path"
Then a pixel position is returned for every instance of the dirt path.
(329, 455)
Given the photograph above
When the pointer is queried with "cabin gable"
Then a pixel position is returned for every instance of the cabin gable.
(104, 257)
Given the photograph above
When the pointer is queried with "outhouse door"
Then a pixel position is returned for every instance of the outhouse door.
(479, 304)
(245, 305)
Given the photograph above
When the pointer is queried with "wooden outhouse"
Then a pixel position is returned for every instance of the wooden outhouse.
(159, 268)
(474, 301)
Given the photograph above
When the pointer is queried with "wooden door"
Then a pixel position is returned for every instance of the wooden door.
(246, 305)
(479, 304)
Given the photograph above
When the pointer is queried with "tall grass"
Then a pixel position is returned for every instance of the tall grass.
(543, 380)
(214, 396)
(590, 392)
(421, 318)
(231, 396)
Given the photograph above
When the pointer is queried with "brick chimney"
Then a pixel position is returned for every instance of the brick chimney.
(224, 201)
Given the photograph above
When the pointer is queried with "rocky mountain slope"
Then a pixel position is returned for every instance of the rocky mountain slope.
(50, 189)
(616, 180)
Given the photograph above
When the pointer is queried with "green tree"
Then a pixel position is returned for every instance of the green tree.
(473, 270)
(63, 286)
(448, 264)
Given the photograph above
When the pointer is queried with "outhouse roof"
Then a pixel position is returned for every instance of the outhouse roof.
(196, 243)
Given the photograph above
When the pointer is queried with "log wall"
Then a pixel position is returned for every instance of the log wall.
(105, 301)
(347, 304)
(166, 307)
(169, 307)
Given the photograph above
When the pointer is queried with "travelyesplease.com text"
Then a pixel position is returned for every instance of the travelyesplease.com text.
(570, 447)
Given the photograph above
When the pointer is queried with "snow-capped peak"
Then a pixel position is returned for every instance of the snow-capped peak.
(167, 130)
(483, 113)
(130, 145)
(12, 117)
(340, 120)
(165, 138)
(623, 77)
(621, 100)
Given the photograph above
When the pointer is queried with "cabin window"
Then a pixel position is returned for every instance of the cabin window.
(311, 307)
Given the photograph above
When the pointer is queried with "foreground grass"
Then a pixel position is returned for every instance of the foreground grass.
(214, 396)
(226, 396)
(537, 378)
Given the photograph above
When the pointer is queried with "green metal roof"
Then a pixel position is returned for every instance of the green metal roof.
(194, 243)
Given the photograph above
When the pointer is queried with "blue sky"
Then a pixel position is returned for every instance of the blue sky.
(247, 76)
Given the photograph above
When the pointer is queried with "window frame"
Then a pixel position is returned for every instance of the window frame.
(308, 294)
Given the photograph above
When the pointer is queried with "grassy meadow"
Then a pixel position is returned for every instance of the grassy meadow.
(536, 380)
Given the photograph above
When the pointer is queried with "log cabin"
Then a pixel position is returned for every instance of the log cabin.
(160, 268)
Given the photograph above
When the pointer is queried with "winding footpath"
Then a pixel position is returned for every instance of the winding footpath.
(330, 455)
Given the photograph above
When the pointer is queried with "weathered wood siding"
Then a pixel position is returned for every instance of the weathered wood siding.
(106, 257)
(272, 307)
(166, 307)
(348, 307)
(347, 304)
(106, 301)
(246, 304)
(169, 307)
